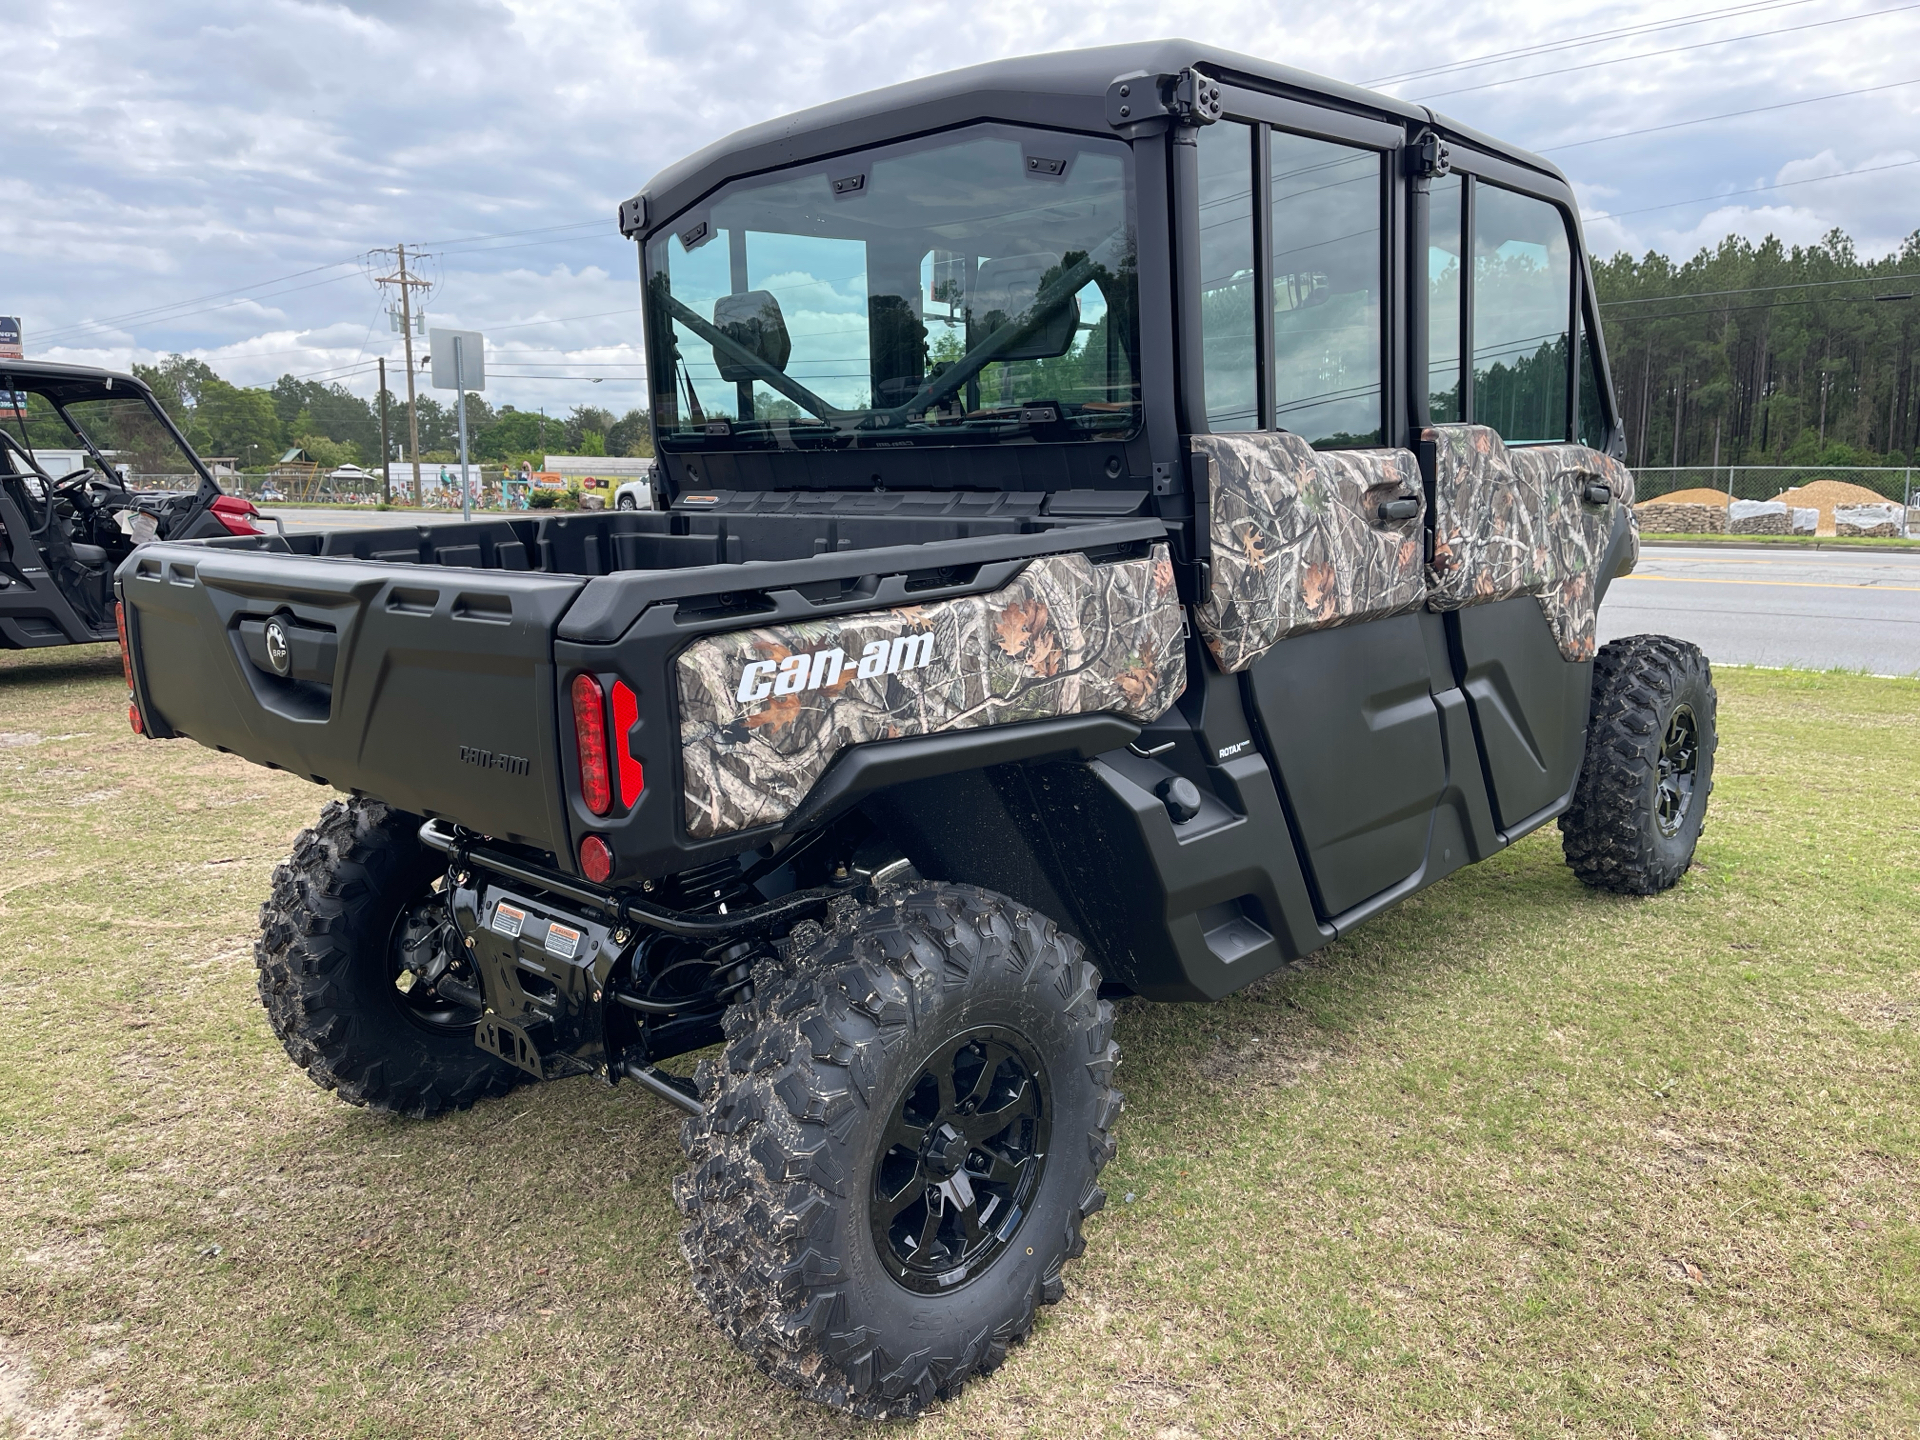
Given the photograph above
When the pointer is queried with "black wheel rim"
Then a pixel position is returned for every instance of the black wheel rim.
(961, 1160)
(1679, 763)
(423, 950)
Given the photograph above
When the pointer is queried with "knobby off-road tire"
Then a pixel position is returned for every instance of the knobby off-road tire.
(327, 969)
(1642, 794)
(825, 1071)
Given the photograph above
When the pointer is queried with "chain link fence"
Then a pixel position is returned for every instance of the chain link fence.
(1766, 482)
(1816, 494)
(496, 488)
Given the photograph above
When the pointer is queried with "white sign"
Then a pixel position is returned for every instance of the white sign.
(10, 338)
(465, 349)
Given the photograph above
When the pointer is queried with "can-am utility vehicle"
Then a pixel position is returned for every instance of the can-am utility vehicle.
(1128, 517)
(70, 435)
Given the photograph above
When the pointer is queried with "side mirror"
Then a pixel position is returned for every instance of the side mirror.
(753, 322)
(1004, 291)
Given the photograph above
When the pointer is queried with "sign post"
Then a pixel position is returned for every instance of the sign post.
(459, 365)
(13, 403)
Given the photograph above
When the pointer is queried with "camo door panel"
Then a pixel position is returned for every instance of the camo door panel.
(1515, 522)
(764, 712)
(1297, 542)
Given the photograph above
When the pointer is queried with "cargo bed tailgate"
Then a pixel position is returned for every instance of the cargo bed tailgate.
(431, 689)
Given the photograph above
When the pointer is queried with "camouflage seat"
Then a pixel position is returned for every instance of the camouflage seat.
(1298, 541)
(1514, 521)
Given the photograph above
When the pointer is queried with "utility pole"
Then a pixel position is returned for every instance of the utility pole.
(386, 451)
(460, 397)
(408, 284)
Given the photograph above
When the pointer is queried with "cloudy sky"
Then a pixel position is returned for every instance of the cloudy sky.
(208, 176)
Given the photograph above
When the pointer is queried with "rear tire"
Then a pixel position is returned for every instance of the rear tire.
(328, 959)
(1641, 799)
(863, 1228)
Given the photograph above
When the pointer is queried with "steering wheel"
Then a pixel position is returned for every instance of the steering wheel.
(83, 486)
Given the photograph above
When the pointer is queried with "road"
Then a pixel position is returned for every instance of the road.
(354, 518)
(1819, 609)
(1815, 609)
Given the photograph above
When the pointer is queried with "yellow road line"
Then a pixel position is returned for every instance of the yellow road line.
(1769, 559)
(1796, 584)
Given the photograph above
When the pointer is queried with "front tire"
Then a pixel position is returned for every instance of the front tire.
(1641, 799)
(626, 502)
(901, 1143)
(352, 908)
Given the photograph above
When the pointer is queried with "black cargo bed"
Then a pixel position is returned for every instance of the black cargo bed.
(424, 656)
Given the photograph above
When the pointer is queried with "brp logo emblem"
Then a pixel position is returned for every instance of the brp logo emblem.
(279, 652)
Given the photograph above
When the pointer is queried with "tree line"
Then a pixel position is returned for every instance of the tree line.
(1766, 354)
(256, 426)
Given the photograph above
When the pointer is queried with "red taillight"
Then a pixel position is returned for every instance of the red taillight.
(590, 736)
(126, 654)
(626, 714)
(133, 719)
(596, 860)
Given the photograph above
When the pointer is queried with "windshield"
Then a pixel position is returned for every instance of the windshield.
(117, 436)
(966, 288)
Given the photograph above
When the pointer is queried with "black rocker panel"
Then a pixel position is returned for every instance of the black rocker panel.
(1529, 705)
(1351, 726)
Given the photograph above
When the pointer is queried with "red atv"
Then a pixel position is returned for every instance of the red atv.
(70, 436)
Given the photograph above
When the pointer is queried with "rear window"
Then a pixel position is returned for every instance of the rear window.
(975, 287)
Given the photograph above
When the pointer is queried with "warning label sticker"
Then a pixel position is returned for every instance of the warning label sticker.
(508, 919)
(563, 942)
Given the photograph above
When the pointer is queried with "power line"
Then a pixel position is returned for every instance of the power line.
(1758, 289)
(1655, 54)
(1730, 115)
(465, 244)
(1757, 189)
(133, 315)
(512, 234)
(1770, 305)
(80, 328)
(563, 319)
(534, 244)
(1593, 37)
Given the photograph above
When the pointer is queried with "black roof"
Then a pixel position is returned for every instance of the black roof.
(1067, 88)
(67, 384)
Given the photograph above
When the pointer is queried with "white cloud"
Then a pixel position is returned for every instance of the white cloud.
(159, 152)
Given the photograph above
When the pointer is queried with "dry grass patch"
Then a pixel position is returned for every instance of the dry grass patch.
(1516, 1159)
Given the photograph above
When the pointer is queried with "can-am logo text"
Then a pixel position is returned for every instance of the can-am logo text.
(828, 667)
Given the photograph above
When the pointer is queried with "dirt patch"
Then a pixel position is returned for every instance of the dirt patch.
(1690, 497)
(78, 1415)
(1266, 1061)
(1877, 1010)
(1824, 495)
(71, 1255)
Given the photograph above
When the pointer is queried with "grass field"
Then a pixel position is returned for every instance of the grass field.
(1516, 1159)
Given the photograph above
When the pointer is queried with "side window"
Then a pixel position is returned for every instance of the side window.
(1226, 277)
(1593, 412)
(1522, 311)
(1446, 284)
(1326, 290)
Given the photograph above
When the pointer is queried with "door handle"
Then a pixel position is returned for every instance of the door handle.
(1404, 508)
